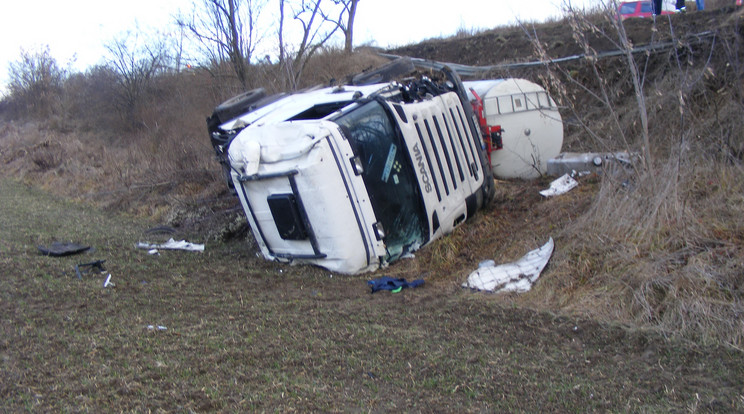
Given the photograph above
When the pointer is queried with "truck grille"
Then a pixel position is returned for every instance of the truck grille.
(447, 141)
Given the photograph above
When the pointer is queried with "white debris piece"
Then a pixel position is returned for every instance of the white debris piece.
(560, 186)
(173, 245)
(517, 276)
(108, 281)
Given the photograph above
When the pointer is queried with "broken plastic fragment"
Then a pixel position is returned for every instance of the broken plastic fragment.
(517, 276)
(173, 245)
(108, 281)
(487, 263)
(81, 268)
(58, 249)
(560, 186)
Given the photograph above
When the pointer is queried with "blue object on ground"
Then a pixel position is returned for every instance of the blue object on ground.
(392, 284)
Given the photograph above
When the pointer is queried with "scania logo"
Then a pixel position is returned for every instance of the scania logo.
(421, 167)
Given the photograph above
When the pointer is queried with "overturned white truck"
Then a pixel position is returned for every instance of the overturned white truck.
(354, 177)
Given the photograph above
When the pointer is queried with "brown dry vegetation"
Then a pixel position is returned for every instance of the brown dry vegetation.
(666, 245)
(661, 250)
(664, 252)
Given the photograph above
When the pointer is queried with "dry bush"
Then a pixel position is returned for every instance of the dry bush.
(89, 97)
(661, 248)
(223, 83)
(167, 161)
(663, 258)
(35, 85)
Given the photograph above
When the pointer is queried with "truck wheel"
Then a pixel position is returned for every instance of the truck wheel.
(238, 105)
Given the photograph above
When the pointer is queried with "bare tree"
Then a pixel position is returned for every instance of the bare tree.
(345, 20)
(36, 81)
(227, 31)
(136, 65)
(317, 28)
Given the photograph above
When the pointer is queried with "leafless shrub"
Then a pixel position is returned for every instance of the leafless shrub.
(317, 24)
(90, 98)
(649, 244)
(35, 84)
(226, 31)
(136, 63)
(47, 155)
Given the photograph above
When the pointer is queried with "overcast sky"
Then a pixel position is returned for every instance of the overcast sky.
(76, 30)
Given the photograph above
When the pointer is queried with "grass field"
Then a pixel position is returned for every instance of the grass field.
(639, 309)
(243, 334)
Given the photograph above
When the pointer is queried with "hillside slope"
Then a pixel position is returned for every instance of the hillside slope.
(670, 248)
(660, 249)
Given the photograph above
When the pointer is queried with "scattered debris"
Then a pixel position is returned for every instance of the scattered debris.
(487, 263)
(392, 284)
(560, 186)
(80, 268)
(58, 249)
(517, 276)
(172, 245)
(108, 282)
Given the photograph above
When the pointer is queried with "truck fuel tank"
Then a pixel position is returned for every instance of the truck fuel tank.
(532, 128)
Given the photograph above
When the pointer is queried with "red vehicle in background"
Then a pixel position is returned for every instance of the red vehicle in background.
(630, 9)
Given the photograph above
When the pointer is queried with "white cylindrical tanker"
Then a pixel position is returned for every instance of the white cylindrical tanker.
(532, 128)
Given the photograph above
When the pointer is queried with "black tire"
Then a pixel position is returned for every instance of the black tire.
(238, 105)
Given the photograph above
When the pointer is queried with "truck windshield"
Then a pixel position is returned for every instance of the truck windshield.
(389, 177)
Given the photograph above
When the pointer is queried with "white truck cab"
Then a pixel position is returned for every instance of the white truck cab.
(354, 177)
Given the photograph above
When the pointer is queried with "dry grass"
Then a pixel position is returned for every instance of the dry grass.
(660, 250)
(646, 280)
(245, 335)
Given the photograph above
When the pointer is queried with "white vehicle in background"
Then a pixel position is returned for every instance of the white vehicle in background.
(354, 177)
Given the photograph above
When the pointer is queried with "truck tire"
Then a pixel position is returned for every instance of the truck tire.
(238, 105)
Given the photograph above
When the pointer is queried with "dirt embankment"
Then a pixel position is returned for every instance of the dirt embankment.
(517, 44)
